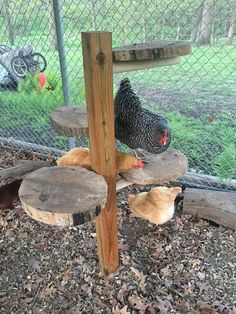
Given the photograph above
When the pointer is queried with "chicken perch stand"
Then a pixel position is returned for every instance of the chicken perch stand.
(74, 195)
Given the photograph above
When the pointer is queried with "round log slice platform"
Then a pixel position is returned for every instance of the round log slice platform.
(70, 121)
(149, 55)
(63, 196)
(160, 168)
(157, 49)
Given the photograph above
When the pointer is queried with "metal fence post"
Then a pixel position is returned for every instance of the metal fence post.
(62, 57)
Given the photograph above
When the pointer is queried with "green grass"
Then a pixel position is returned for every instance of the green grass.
(211, 148)
(207, 70)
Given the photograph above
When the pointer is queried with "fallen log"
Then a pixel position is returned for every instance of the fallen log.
(191, 178)
(36, 148)
(217, 206)
(21, 168)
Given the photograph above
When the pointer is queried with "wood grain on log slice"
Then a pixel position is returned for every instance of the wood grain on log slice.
(151, 50)
(63, 196)
(70, 121)
(161, 168)
(217, 206)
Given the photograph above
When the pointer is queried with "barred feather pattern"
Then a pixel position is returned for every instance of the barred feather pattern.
(135, 126)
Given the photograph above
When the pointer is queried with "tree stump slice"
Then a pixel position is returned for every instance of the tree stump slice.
(160, 168)
(70, 121)
(160, 49)
(63, 196)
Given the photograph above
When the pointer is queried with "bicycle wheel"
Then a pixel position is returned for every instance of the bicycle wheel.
(39, 61)
(19, 66)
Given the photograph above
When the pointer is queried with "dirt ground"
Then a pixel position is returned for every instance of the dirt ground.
(186, 266)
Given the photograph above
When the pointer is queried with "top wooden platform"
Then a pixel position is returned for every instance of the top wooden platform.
(149, 55)
(159, 49)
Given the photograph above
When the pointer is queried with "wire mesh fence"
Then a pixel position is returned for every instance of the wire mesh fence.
(196, 96)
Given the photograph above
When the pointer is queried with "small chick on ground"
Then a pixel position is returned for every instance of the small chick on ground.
(157, 205)
(81, 157)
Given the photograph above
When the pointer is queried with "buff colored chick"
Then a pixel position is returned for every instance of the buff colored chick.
(81, 157)
(157, 205)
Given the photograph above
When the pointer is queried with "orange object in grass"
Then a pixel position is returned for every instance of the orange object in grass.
(42, 79)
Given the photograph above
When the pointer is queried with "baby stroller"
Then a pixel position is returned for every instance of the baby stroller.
(19, 61)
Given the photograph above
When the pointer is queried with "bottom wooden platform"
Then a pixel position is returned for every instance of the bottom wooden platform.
(63, 196)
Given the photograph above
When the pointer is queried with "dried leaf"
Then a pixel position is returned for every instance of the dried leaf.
(86, 288)
(201, 275)
(166, 270)
(80, 260)
(178, 224)
(188, 291)
(124, 310)
(137, 304)
(205, 308)
(194, 262)
(233, 311)
(49, 290)
(120, 295)
(34, 264)
(159, 249)
(212, 117)
(140, 276)
(125, 259)
(201, 287)
(66, 274)
(100, 303)
(162, 306)
(28, 287)
(3, 222)
(123, 247)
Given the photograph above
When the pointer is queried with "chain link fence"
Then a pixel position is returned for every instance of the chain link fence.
(197, 96)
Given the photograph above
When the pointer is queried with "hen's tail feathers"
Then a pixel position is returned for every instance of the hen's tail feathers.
(126, 99)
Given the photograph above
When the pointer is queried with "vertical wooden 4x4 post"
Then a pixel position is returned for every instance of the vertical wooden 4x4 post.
(98, 75)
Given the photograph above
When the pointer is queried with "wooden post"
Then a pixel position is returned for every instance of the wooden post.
(97, 58)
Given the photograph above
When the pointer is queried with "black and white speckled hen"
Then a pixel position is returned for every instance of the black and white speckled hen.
(138, 127)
